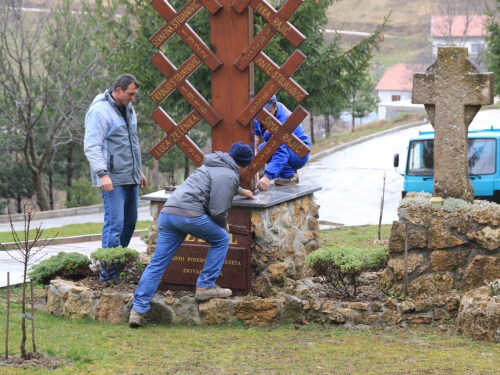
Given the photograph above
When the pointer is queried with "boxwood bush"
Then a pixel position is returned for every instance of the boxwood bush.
(341, 266)
(114, 260)
(67, 265)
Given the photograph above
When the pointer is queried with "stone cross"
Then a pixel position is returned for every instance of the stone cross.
(453, 91)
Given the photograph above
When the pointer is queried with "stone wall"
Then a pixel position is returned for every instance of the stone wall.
(282, 237)
(66, 299)
(454, 247)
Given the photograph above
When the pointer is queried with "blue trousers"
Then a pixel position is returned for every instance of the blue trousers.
(293, 164)
(172, 231)
(120, 216)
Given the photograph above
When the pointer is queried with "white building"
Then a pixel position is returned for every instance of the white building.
(394, 90)
(463, 31)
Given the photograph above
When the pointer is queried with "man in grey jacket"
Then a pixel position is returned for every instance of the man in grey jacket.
(197, 207)
(112, 147)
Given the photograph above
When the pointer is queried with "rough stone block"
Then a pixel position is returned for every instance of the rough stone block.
(416, 240)
(430, 285)
(447, 261)
(481, 268)
(486, 237)
(216, 311)
(258, 311)
(440, 238)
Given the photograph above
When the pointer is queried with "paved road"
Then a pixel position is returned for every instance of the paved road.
(57, 222)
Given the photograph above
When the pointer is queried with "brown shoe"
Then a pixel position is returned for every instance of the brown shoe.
(136, 320)
(293, 180)
(203, 294)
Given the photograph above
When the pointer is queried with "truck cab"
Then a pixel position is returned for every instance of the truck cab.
(483, 158)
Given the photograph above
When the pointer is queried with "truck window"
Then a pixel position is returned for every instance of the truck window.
(481, 155)
(421, 158)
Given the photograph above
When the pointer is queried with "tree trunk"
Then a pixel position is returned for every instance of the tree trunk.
(19, 198)
(23, 309)
(69, 170)
(352, 113)
(51, 191)
(41, 196)
(186, 167)
(156, 165)
(327, 125)
(311, 127)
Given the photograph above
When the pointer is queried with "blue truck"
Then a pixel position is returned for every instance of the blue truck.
(483, 155)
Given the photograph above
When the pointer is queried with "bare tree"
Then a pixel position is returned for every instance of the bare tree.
(27, 253)
(48, 65)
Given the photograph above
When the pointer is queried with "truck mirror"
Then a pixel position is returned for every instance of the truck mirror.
(396, 160)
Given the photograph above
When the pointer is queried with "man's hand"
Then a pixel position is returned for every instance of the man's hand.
(144, 182)
(106, 183)
(227, 228)
(247, 193)
(264, 183)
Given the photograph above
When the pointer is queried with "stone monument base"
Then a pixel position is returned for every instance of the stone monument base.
(65, 298)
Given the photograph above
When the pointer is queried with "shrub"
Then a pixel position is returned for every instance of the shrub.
(82, 194)
(114, 260)
(68, 265)
(342, 266)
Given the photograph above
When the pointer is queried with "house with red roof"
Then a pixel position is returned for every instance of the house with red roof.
(463, 31)
(394, 90)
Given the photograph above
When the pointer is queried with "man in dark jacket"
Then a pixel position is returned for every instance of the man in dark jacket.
(283, 165)
(197, 207)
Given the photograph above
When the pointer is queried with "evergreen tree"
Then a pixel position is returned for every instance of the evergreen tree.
(492, 52)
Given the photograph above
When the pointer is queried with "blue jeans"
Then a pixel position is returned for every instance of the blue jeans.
(172, 232)
(294, 163)
(120, 216)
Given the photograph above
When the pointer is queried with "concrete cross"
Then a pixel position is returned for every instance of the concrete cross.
(453, 91)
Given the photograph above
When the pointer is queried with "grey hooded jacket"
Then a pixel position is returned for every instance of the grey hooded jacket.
(210, 189)
(111, 144)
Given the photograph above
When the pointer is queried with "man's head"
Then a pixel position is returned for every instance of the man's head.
(125, 88)
(242, 155)
(271, 105)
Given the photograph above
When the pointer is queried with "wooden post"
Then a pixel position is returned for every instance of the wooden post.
(33, 315)
(406, 260)
(8, 317)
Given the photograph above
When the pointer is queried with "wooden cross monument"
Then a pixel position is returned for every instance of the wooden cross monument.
(231, 110)
(453, 91)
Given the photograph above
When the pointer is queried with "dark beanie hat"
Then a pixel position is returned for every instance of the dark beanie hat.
(241, 153)
(272, 100)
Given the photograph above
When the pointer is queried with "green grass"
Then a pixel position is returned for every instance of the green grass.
(101, 348)
(98, 348)
(67, 231)
(362, 237)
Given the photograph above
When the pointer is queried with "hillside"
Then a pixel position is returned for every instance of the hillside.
(407, 33)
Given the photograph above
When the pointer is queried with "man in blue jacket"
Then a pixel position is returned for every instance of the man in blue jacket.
(283, 165)
(197, 207)
(112, 148)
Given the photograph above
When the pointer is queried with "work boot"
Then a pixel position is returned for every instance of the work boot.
(286, 181)
(136, 320)
(203, 294)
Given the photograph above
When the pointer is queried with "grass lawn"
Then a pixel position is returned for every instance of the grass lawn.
(68, 231)
(87, 347)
